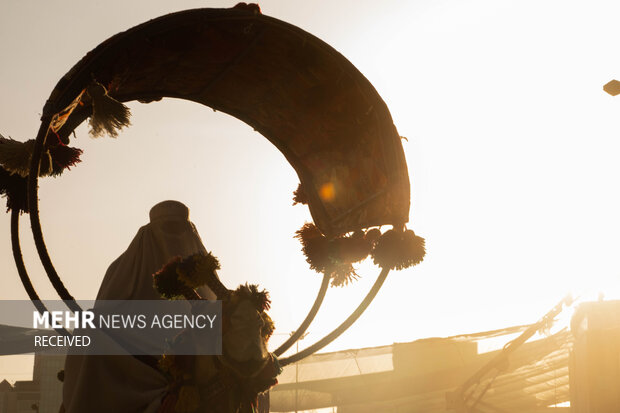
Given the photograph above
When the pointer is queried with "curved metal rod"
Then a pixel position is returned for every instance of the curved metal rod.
(21, 268)
(342, 327)
(33, 206)
(19, 262)
(308, 320)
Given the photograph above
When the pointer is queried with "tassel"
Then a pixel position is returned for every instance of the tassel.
(372, 235)
(350, 249)
(180, 276)
(333, 257)
(299, 196)
(343, 274)
(314, 246)
(15, 188)
(109, 115)
(166, 281)
(15, 156)
(195, 270)
(398, 250)
(63, 157)
(260, 299)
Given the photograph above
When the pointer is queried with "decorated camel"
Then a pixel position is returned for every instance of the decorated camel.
(307, 100)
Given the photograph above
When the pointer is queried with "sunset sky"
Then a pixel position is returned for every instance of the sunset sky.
(512, 148)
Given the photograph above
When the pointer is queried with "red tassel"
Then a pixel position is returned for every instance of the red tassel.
(398, 250)
(63, 157)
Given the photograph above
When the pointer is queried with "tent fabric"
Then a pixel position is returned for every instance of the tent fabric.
(416, 376)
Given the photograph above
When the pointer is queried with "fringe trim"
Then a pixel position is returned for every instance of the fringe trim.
(109, 115)
(64, 157)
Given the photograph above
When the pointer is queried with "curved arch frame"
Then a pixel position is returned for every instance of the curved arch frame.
(23, 273)
(35, 222)
(61, 93)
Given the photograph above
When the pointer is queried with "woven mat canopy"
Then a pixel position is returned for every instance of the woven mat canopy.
(297, 91)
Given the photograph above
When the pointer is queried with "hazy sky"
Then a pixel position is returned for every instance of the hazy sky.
(512, 150)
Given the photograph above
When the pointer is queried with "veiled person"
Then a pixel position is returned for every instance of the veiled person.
(128, 384)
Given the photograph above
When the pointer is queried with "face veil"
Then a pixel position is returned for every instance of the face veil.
(169, 233)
